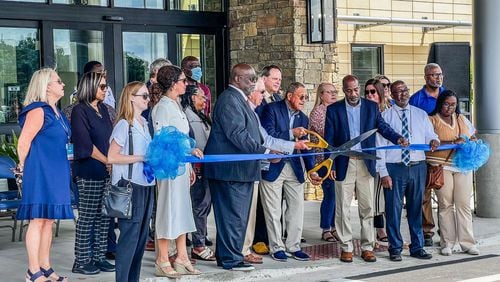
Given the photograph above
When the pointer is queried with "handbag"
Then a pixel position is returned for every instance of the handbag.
(117, 200)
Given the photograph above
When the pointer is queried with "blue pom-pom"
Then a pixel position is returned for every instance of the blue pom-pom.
(167, 152)
(471, 155)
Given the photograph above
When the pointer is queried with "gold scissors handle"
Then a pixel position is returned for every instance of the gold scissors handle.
(321, 142)
(324, 164)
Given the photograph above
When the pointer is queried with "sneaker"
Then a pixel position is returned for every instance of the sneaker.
(300, 255)
(85, 269)
(446, 251)
(279, 256)
(105, 266)
(473, 251)
(242, 266)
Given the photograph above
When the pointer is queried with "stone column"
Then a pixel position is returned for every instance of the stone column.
(487, 102)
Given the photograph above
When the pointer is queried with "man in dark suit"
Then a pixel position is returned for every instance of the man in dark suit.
(285, 179)
(345, 120)
(235, 130)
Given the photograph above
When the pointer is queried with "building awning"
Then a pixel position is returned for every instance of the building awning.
(361, 22)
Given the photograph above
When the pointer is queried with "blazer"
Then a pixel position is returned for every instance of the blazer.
(235, 130)
(275, 119)
(337, 132)
(260, 108)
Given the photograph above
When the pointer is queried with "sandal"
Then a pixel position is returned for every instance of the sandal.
(206, 254)
(327, 236)
(382, 239)
(170, 272)
(50, 273)
(34, 276)
(335, 235)
(185, 268)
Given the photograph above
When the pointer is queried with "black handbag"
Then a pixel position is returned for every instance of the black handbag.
(117, 200)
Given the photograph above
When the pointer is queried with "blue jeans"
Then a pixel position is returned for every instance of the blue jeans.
(407, 182)
(327, 209)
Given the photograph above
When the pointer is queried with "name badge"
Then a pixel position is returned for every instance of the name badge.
(70, 153)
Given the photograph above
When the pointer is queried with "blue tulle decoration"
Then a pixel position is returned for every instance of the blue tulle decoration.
(148, 172)
(471, 155)
(167, 152)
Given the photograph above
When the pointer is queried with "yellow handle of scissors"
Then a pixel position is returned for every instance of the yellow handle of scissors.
(321, 142)
(324, 164)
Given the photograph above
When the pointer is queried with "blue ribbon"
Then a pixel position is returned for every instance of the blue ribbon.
(254, 157)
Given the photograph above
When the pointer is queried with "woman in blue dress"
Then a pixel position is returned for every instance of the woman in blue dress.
(42, 155)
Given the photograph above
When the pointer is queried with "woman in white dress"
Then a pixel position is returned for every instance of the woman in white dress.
(174, 217)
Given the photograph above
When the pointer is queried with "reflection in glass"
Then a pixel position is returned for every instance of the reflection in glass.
(139, 50)
(150, 4)
(19, 59)
(201, 46)
(315, 24)
(103, 3)
(366, 61)
(328, 13)
(196, 5)
(72, 50)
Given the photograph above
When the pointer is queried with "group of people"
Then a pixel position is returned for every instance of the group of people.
(258, 205)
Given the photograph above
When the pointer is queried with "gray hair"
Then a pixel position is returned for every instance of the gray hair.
(430, 66)
(294, 86)
(157, 64)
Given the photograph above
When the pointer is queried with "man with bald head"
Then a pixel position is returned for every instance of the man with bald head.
(235, 130)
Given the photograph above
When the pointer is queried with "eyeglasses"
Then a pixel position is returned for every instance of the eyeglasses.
(447, 105)
(302, 98)
(103, 87)
(145, 96)
(371, 91)
(436, 75)
(402, 91)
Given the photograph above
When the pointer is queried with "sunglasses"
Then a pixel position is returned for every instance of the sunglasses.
(103, 87)
(386, 84)
(371, 91)
(145, 96)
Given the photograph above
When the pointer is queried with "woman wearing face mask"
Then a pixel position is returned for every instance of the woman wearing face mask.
(192, 68)
(91, 128)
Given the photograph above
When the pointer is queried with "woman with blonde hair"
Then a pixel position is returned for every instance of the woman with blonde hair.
(174, 216)
(128, 145)
(325, 96)
(42, 153)
(92, 129)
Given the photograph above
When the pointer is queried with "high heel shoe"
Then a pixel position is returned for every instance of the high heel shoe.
(169, 273)
(34, 276)
(48, 272)
(185, 268)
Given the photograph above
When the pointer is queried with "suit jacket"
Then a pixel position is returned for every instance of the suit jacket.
(260, 108)
(235, 130)
(337, 132)
(276, 121)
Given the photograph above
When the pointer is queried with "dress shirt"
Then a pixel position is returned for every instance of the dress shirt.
(292, 114)
(354, 120)
(421, 132)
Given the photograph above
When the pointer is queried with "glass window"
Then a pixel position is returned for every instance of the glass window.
(103, 3)
(366, 61)
(139, 50)
(72, 50)
(197, 5)
(150, 4)
(201, 46)
(19, 59)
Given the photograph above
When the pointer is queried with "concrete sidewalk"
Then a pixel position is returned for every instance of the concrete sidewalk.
(14, 258)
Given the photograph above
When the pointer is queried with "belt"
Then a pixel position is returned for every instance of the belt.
(412, 163)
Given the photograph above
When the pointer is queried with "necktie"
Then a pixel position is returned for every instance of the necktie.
(405, 153)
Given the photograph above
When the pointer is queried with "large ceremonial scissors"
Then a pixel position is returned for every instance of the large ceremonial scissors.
(342, 150)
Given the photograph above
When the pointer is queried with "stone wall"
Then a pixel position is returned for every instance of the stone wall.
(264, 32)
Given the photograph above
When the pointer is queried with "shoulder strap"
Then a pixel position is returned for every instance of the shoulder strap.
(130, 150)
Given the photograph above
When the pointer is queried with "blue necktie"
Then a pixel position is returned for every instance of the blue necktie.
(405, 153)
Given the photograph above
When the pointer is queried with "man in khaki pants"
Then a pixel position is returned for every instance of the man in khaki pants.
(345, 120)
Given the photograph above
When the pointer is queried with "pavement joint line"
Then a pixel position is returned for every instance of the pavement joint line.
(419, 267)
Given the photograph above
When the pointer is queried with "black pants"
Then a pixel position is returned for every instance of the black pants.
(201, 202)
(133, 235)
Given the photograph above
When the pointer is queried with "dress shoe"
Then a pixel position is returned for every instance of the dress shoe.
(242, 267)
(260, 248)
(428, 242)
(86, 269)
(104, 266)
(421, 254)
(346, 256)
(395, 257)
(110, 255)
(368, 256)
(150, 246)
